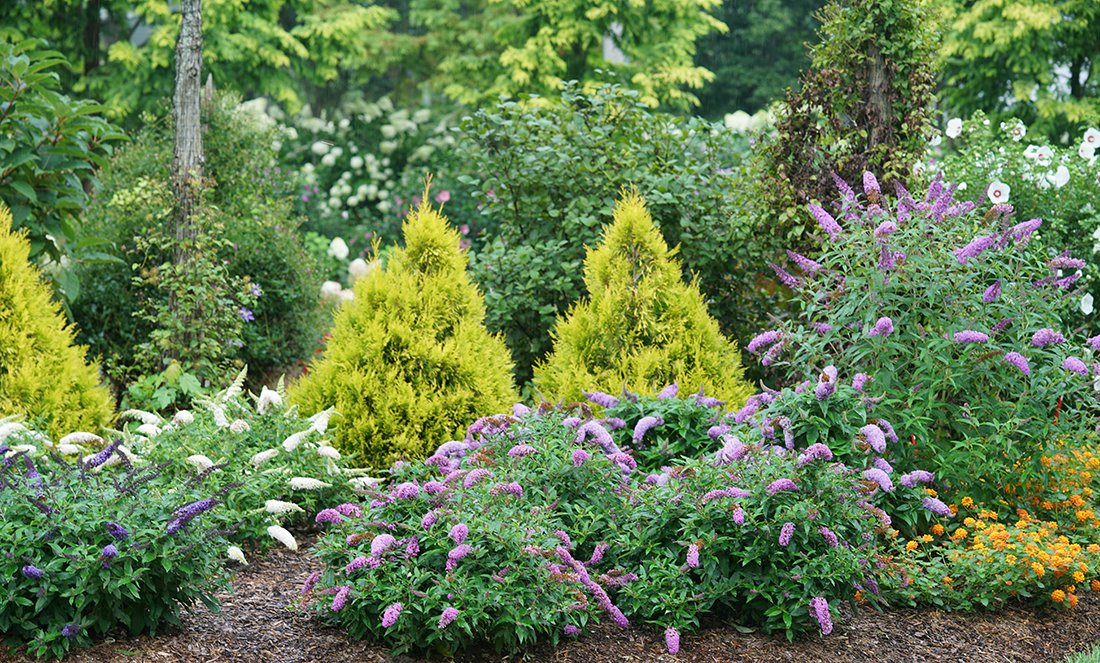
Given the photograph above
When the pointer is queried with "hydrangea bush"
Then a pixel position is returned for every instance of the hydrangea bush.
(538, 522)
(948, 316)
(88, 550)
(1004, 163)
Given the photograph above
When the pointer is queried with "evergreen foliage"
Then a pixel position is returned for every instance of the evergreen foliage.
(410, 364)
(42, 374)
(642, 327)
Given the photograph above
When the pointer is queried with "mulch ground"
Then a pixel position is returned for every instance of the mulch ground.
(259, 622)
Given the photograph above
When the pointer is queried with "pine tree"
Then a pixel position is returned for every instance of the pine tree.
(43, 375)
(410, 363)
(642, 327)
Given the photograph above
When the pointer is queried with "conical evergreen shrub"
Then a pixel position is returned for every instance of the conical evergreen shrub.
(410, 363)
(642, 327)
(43, 375)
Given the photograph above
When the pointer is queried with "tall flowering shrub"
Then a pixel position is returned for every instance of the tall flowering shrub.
(537, 523)
(89, 549)
(42, 373)
(948, 316)
(410, 363)
(642, 327)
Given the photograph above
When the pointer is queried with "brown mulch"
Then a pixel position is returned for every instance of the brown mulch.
(259, 622)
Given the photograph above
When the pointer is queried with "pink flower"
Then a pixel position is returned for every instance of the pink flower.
(389, 617)
(341, 598)
(448, 616)
(785, 533)
(443, 196)
(672, 640)
(693, 556)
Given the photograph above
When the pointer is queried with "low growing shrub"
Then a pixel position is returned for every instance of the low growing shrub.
(88, 550)
(642, 327)
(409, 363)
(42, 373)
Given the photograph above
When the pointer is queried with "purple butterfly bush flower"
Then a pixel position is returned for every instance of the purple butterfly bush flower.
(475, 475)
(830, 538)
(186, 514)
(715, 432)
(519, 410)
(601, 399)
(916, 477)
(874, 437)
(693, 556)
(860, 381)
(826, 221)
(816, 451)
(32, 572)
(602, 599)
(720, 493)
(1066, 262)
(668, 392)
(311, 582)
(826, 385)
(341, 598)
(358, 563)
(350, 510)
(672, 641)
(412, 547)
(880, 477)
(883, 327)
(1045, 337)
(881, 464)
(785, 533)
(571, 630)
(885, 229)
(571, 422)
(613, 423)
(644, 425)
(764, 340)
(456, 554)
(808, 266)
(891, 436)
(1022, 232)
(819, 608)
(389, 617)
(597, 431)
(331, 516)
(1001, 326)
(772, 354)
(381, 543)
(739, 516)
(71, 630)
(821, 327)
(448, 616)
(785, 277)
(1067, 281)
(117, 531)
(732, 449)
(781, 485)
(597, 554)
(428, 520)
(992, 293)
(408, 490)
(102, 456)
(971, 336)
(1076, 365)
(521, 450)
(512, 488)
(1094, 343)
(870, 184)
(935, 506)
(975, 248)
(459, 533)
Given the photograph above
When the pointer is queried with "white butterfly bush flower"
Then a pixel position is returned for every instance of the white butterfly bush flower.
(263, 456)
(360, 485)
(149, 430)
(200, 462)
(69, 450)
(80, 438)
(268, 400)
(279, 506)
(307, 483)
(239, 426)
(183, 418)
(236, 554)
(282, 536)
(9, 428)
(291, 443)
(319, 421)
(326, 451)
(30, 449)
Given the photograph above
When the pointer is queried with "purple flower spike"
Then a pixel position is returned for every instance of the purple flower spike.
(448, 616)
(521, 450)
(602, 399)
(341, 598)
(870, 184)
(117, 531)
(826, 385)
(311, 582)
(763, 340)
(826, 221)
(32, 572)
(885, 229)
(644, 425)
(389, 617)
(672, 641)
(971, 336)
(331, 516)
(878, 476)
(459, 533)
(71, 630)
(829, 536)
(992, 293)
(406, 491)
(781, 485)
(808, 266)
(860, 381)
(819, 608)
(669, 392)
(1094, 343)
(381, 544)
(883, 327)
(693, 556)
(579, 456)
(1076, 365)
(916, 477)
(456, 554)
(821, 327)
(975, 248)
(875, 437)
(1047, 336)
(935, 506)
(785, 533)
(739, 516)
(785, 277)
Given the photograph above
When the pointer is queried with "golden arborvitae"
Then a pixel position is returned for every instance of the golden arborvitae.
(43, 375)
(642, 327)
(410, 363)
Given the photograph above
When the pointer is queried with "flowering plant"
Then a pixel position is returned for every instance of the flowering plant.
(952, 321)
(1002, 163)
(88, 550)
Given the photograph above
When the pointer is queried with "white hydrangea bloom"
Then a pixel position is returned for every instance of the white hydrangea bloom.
(279, 506)
(359, 268)
(200, 462)
(319, 148)
(236, 554)
(330, 290)
(264, 456)
(282, 536)
(338, 248)
(183, 418)
(347, 295)
(307, 483)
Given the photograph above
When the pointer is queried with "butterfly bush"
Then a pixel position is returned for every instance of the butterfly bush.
(952, 322)
(96, 543)
(280, 462)
(745, 524)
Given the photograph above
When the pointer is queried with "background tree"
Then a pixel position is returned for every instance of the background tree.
(1035, 60)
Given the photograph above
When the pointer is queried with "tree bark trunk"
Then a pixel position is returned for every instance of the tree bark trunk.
(188, 161)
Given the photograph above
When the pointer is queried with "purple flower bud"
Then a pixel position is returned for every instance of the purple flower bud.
(571, 630)
(916, 477)
(381, 543)
(935, 506)
(739, 516)
(829, 536)
(579, 456)
(408, 490)
(32, 572)
(805, 264)
(341, 598)
(781, 485)
(521, 450)
(821, 327)
(886, 228)
(785, 277)
(975, 248)
(350, 510)
(860, 381)
(819, 608)
(331, 516)
(669, 392)
(881, 478)
(870, 184)
(117, 531)
(763, 340)
(874, 437)
(456, 554)
(311, 582)
(428, 520)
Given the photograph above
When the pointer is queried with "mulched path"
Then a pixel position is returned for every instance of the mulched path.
(259, 622)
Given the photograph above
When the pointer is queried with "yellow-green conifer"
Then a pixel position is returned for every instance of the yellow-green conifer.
(642, 327)
(410, 363)
(43, 375)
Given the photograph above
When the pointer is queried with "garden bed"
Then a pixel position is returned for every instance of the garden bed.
(259, 622)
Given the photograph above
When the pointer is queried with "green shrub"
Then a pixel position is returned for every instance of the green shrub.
(253, 254)
(547, 174)
(51, 147)
(533, 526)
(642, 327)
(1059, 184)
(952, 318)
(410, 364)
(88, 550)
(42, 374)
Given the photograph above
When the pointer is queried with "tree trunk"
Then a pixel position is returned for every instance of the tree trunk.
(188, 161)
